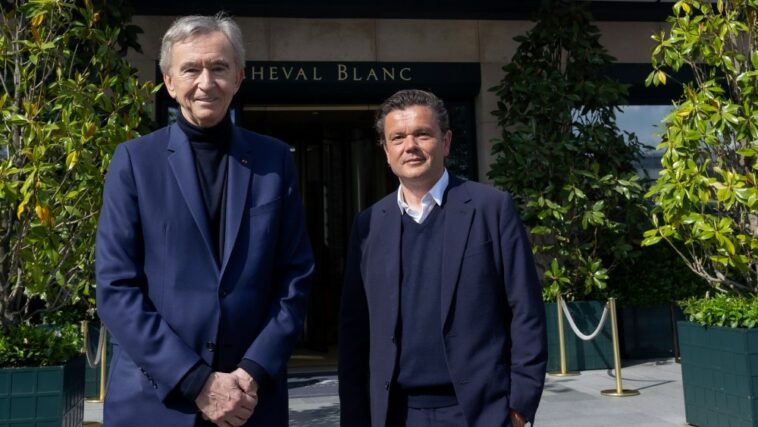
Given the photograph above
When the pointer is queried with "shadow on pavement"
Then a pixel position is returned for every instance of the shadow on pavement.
(325, 416)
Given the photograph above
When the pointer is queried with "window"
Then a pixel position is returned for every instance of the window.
(645, 121)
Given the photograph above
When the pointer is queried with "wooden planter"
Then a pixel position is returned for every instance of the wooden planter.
(648, 332)
(719, 375)
(50, 396)
(580, 355)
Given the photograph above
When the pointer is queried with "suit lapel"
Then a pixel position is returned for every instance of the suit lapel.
(182, 164)
(387, 246)
(238, 183)
(458, 216)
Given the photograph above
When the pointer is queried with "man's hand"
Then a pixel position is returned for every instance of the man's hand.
(246, 382)
(224, 402)
(517, 420)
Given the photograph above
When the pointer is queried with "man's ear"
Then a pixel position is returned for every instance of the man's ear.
(169, 83)
(447, 140)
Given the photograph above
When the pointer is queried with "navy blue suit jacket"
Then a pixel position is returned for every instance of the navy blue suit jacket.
(161, 293)
(492, 315)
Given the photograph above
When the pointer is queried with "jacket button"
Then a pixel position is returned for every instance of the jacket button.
(393, 339)
(211, 346)
(223, 292)
(386, 385)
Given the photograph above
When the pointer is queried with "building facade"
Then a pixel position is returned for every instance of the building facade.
(316, 71)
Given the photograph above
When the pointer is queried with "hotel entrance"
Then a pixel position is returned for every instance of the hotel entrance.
(342, 171)
(325, 112)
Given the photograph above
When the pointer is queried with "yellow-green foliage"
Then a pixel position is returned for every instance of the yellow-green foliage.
(68, 96)
(706, 194)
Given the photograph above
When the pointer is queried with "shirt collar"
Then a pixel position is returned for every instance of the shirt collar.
(436, 193)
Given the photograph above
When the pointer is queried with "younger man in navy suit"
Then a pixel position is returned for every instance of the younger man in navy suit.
(442, 321)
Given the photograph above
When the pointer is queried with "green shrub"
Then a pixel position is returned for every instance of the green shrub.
(722, 310)
(39, 345)
(68, 97)
(706, 196)
(562, 156)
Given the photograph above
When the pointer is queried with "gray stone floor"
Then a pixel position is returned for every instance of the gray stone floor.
(577, 401)
(567, 401)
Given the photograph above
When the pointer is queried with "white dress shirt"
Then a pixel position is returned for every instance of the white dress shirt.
(430, 199)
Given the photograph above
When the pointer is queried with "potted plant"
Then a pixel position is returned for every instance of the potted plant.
(68, 96)
(707, 202)
(569, 167)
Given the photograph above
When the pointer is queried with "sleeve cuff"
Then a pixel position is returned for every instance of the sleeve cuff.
(194, 380)
(257, 372)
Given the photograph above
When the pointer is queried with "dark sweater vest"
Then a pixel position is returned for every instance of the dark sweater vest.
(422, 371)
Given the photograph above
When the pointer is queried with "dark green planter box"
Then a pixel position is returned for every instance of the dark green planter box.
(647, 332)
(50, 396)
(580, 355)
(719, 375)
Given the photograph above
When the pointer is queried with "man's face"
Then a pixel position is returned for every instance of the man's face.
(203, 77)
(415, 146)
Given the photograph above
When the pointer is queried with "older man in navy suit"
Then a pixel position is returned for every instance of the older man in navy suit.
(442, 322)
(203, 263)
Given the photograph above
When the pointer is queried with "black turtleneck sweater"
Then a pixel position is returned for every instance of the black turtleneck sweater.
(210, 147)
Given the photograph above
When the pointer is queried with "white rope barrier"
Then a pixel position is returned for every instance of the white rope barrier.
(100, 344)
(576, 330)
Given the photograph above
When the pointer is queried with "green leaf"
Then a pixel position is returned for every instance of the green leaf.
(651, 240)
(71, 159)
(661, 77)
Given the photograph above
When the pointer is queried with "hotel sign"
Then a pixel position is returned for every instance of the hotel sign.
(339, 82)
(333, 72)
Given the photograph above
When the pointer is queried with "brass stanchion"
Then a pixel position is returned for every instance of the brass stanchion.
(85, 334)
(564, 372)
(619, 390)
(103, 358)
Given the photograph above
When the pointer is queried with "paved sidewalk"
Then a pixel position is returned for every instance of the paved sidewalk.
(576, 401)
(566, 402)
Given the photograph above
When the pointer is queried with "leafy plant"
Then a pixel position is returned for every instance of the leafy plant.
(39, 345)
(561, 155)
(68, 96)
(707, 203)
(722, 310)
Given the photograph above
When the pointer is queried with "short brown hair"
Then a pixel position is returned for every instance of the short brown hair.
(408, 98)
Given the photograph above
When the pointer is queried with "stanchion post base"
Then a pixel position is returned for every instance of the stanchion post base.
(93, 401)
(563, 374)
(615, 393)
